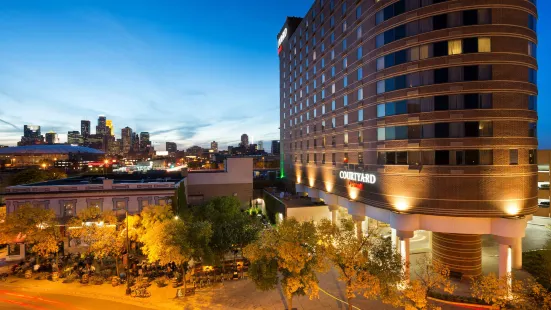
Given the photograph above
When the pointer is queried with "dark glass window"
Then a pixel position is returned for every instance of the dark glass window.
(470, 17)
(442, 157)
(532, 76)
(471, 101)
(533, 130)
(401, 132)
(401, 107)
(441, 76)
(532, 157)
(441, 130)
(470, 45)
(471, 157)
(470, 73)
(381, 158)
(459, 158)
(389, 60)
(401, 158)
(390, 109)
(389, 36)
(441, 103)
(471, 129)
(388, 12)
(390, 84)
(513, 157)
(400, 82)
(440, 21)
(390, 158)
(400, 57)
(532, 22)
(400, 32)
(440, 49)
(533, 103)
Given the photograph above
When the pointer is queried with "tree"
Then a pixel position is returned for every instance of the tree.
(292, 247)
(349, 254)
(167, 239)
(37, 226)
(386, 264)
(506, 291)
(98, 230)
(34, 175)
(430, 275)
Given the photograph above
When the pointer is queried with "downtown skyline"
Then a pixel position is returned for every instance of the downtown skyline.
(150, 66)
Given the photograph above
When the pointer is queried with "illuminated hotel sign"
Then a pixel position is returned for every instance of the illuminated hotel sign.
(280, 40)
(358, 177)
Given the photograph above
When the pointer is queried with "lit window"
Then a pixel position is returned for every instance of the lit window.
(346, 140)
(484, 45)
(455, 47)
(346, 118)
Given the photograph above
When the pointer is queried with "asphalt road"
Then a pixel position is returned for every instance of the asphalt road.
(14, 299)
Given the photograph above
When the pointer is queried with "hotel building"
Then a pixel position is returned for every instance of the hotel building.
(417, 113)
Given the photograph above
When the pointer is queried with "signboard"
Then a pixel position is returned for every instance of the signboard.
(358, 177)
(280, 40)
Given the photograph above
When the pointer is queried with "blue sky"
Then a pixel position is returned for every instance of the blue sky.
(186, 71)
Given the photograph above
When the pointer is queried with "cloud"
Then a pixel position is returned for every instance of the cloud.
(9, 124)
(183, 132)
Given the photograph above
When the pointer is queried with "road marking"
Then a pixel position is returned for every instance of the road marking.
(344, 302)
(49, 301)
(22, 304)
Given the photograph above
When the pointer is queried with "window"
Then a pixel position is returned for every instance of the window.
(345, 100)
(344, 62)
(532, 49)
(360, 158)
(334, 158)
(360, 74)
(344, 44)
(455, 47)
(360, 137)
(532, 130)
(442, 157)
(470, 17)
(333, 105)
(484, 45)
(360, 94)
(533, 103)
(359, 53)
(345, 138)
(333, 123)
(68, 208)
(532, 22)
(360, 115)
(358, 12)
(485, 128)
(513, 157)
(532, 76)
(532, 159)
(359, 32)
(380, 63)
(323, 158)
(345, 81)
(345, 118)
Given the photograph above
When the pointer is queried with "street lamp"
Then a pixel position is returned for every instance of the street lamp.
(128, 290)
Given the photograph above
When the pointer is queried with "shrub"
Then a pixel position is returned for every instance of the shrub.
(70, 278)
(161, 282)
(42, 276)
(97, 280)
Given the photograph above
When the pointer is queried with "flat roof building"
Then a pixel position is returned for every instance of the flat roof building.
(421, 114)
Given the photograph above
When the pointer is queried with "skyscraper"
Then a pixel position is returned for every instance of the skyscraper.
(171, 147)
(417, 115)
(214, 146)
(126, 137)
(110, 129)
(101, 128)
(275, 147)
(245, 140)
(85, 128)
(145, 144)
(74, 138)
(261, 145)
(31, 135)
(51, 137)
(135, 142)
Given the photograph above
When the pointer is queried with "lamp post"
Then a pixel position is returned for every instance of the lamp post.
(128, 290)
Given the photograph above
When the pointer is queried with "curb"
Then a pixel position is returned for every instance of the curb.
(460, 304)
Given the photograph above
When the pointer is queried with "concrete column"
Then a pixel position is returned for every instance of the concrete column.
(459, 252)
(505, 260)
(394, 239)
(517, 253)
(334, 214)
(358, 221)
(403, 249)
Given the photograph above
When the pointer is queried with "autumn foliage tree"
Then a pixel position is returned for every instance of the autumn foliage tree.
(293, 249)
(349, 254)
(36, 226)
(430, 275)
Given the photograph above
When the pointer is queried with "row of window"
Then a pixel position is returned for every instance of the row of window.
(436, 76)
(436, 103)
(438, 49)
(428, 158)
(437, 22)
(436, 130)
(401, 7)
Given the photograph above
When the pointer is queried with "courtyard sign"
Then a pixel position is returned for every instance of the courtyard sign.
(358, 177)
(282, 37)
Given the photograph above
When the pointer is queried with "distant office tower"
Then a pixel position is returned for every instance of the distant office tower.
(275, 147)
(145, 144)
(171, 147)
(51, 138)
(214, 146)
(74, 137)
(31, 135)
(126, 136)
(110, 128)
(135, 142)
(101, 128)
(85, 128)
(195, 151)
(260, 145)
(245, 140)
